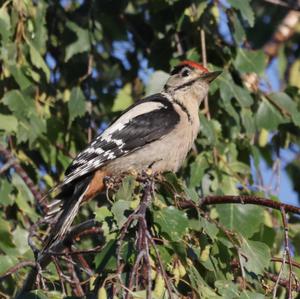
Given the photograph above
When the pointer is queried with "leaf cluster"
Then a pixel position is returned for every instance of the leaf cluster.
(69, 67)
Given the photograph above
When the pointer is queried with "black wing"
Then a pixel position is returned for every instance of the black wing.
(144, 122)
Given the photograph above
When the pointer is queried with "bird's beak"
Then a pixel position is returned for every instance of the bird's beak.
(209, 77)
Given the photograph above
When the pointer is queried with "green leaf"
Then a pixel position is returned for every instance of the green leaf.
(6, 262)
(207, 129)
(287, 106)
(20, 236)
(6, 188)
(248, 120)
(76, 104)
(239, 32)
(37, 127)
(156, 82)
(19, 74)
(24, 197)
(5, 235)
(268, 116)
(251, 295)
(106, 259)
(294, 71)
(38, 61)
(172, 222)
(118, 209)
(203, 224)
(40, 30)
(230, 90)
(227, 289)
(245, 9)
(123, 99)
(245, 219)
(5, 26)
(8, 123)
(248, 61)
(82, 44)
(18, 104)
(102, 213)
(197, 170)
(256, 256)
(125, 192)
(41, 294)
(239, 167)
(199, 285)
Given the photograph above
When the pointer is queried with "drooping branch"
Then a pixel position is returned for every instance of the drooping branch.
(17, 267)
(9, 157)
(244, 199)
(286, 253)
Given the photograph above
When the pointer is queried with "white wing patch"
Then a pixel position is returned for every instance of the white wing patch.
(125, 118)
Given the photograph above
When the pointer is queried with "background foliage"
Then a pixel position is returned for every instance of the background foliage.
(69, 67)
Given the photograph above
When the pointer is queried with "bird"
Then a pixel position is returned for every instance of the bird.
(155, 133)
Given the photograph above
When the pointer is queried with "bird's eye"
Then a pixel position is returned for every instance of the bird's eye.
(185, 72)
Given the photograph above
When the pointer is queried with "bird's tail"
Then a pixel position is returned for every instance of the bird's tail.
(61, 212)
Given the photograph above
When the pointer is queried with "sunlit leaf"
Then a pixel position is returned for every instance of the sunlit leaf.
(256, 256)
(172, 222)
(250, 61)
(76, 104)
(82, 43)
(245, 219)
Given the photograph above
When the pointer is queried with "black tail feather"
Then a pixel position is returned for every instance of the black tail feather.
(63, 212)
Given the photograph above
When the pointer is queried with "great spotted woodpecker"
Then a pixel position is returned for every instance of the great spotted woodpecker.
(156, 132)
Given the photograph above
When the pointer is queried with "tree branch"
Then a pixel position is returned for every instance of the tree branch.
(244, 199)
(8, 156)
(17, 267)
(46, 258)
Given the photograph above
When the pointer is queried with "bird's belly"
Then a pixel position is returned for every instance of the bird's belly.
(166, 154)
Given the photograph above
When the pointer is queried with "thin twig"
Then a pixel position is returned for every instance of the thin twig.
(287, 250)
(8, 165)
(77, 289)
(8, 156)
(17, 267)
(161, 266)
(60, 275)
(45, 258)
(277, 282)
(284, 4)
(282, 282)
(279, 260)
(78, 252)
(133, 272)
(178, 44)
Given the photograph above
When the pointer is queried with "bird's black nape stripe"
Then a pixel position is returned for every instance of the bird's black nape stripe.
(184, 109)
(186, 84)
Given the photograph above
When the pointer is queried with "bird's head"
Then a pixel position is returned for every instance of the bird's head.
(190, 78)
